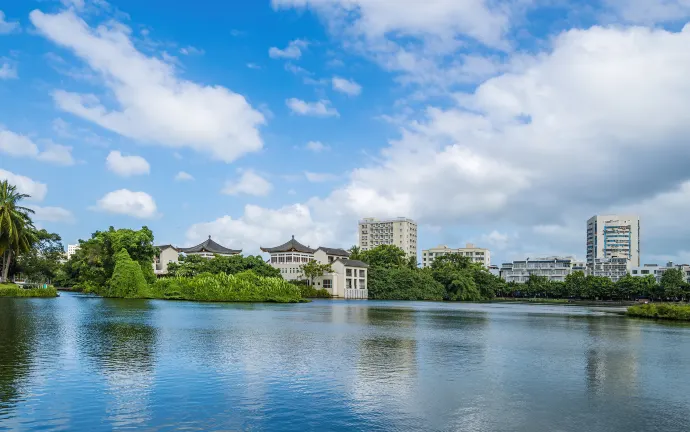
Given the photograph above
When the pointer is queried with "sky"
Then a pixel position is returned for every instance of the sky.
(504, 123)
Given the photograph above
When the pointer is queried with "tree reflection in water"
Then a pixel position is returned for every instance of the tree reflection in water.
(17, 346)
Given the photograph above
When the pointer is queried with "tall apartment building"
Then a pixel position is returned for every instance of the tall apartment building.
(71, 249)
(401, 232)
(554, 268)
(478, 255)
(613, 236)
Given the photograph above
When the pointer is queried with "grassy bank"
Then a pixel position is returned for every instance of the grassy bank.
(529, 300)
(669, 311)
(12, 290)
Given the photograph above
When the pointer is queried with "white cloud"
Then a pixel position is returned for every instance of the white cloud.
(7, 26)
(57, 154)
(296, 70)
(25, 185)
(190, 50)
(319, 177)
(253, 66)
(316, 146)
(153, 104)
(51, 214)
(348, 87)
(265, 227)
(136, 204)
(127, 166)
(183, 176)
(77, 4)
(249, 183)
(8, 71)
(320, 108)
(650, 12)
(292, 51)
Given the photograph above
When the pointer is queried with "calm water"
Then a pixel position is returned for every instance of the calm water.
(80, 363)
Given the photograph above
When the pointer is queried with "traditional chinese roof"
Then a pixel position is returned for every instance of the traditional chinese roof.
(291, 246)
(334, 251)
(353, 263)
(211, 247)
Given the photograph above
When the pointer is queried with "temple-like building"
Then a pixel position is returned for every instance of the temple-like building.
(170, 254)
(348, 279)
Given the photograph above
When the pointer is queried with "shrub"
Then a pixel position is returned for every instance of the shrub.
(403, 283)
(661, 311)
(128, 279)
(11, 290)
(311, 292)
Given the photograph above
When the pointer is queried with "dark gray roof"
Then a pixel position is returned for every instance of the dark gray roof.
(291, 246)
(210, 246)
(335, 251)
(353, 263)
(161, 247)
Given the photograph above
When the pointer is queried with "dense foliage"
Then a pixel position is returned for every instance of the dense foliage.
(17, 232)
(314, 269)
(241, 287)
(308, 291)
(41, 264)
(194, 265)
(403, 283)
(12, 290)
(127, 280)
(661, 311)
(94, 262)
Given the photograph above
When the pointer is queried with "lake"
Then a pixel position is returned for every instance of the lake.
(84, 363)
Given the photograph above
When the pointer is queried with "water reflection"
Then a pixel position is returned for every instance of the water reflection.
(612, 357)
(17, 349)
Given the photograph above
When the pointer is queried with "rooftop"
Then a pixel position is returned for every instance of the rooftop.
(335, 251)
(290, 246)
(352, 263)
(210, 246)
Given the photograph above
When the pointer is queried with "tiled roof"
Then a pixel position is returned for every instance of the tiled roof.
(161, 247)
(353, 263)
(335, 251)
(291, 246)
(210, 246)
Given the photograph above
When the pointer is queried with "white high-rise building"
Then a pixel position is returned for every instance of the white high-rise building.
(613, 236)
(401, 232)
(71, 249)
(475, 254)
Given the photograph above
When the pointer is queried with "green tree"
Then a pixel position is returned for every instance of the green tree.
(403, 283)
(355, 253)
(575, 284)
(16, 228)
(193, 265)
(314, 269)
(42, 262)
(673, 283)
(388, 256)
(128, 278)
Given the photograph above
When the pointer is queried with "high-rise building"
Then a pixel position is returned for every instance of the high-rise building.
(401, 232)
(613, 236)
(475, 254)
(71, 249)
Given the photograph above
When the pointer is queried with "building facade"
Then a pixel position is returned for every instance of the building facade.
(71, 250)
(348, 279)
(612, 268)
(613, 236)
(554, 268)
(478, 255)
(401, 232)
(167, 254)
(657, 271)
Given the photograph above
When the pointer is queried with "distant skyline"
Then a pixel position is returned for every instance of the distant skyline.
(500, 123)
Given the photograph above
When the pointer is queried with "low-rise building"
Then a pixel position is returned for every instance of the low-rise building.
(475, 254)
(348, 279)
(612, 268)
(657, 271)
(168, 254)
(554, 268)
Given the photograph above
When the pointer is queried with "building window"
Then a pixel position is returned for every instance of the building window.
(327, 284)
(348, 283)
(634, 272)
(362, 284)
(361, 273)
(348, 272)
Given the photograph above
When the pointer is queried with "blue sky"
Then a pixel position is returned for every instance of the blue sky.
(503, 123)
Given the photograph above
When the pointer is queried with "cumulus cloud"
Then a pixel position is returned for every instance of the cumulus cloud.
(7, 26)
(249, 183)
(320, 108)
(18, 145)
(316, 146)
(127, 166)
(7, 70)
(292, 51)
(346, 86)
(57, 154)
(183, 176)
(51, 214)
(152, 104)
(125, 202)
(259, 226)
(25, 185)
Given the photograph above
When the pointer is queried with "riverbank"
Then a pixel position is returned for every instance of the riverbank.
(666, 311)
(12, 290)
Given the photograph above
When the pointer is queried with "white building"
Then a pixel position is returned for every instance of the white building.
(71, 250)
(478, 255)
(657, 271)
(554, 268)
(348, 279)
(612, 268)
(613, 236)
(400, 232)
(167, 254)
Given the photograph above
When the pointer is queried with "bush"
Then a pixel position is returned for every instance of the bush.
(403, 283)
(242, 287)
(128, 279)
(661, 311)
(311, 292)
(11, 290)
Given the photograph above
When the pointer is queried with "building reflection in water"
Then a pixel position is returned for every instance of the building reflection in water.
(120, 339)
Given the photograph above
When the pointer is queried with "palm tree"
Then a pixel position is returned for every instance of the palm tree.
(16, 228)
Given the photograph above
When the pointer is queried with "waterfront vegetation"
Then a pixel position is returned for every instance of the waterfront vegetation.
(669, 311)
(12, 290)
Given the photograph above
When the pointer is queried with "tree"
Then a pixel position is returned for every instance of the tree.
(16, 227)
(388, 256)
(355, 253)
(42, 262)
(128, 278)
(314, 269)
(193, 265)
(673, 283)
(575, 284)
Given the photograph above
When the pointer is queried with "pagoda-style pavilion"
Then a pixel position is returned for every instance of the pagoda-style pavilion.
(209, 249)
